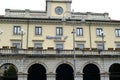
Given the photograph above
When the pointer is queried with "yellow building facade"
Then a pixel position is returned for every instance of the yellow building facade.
(45, 29)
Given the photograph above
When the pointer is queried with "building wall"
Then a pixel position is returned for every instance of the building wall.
(49, 29)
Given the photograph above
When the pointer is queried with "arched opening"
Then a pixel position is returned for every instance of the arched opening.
(91, 72)
(9, 72)
(114, 72)
(37, 72)
(64, 72)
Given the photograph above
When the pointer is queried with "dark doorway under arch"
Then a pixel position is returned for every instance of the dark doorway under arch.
(114, 72)
(37, 72)
(91, 72)
(64, 72)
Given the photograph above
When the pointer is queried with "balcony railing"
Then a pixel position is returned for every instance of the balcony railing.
(59, 52)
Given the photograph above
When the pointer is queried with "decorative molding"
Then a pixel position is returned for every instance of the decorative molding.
(117, 41)
(38, 40)
(100, 41)
(84, 41)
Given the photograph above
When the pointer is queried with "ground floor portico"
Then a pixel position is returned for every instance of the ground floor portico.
(60, 67)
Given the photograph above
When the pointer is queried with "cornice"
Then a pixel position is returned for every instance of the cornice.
(58, 20)
(30, 20)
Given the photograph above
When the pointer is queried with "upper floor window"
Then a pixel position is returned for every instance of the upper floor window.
(59, 31)
(38, 30)
(99, 31)
(79, 31)
(117, 32)
(16, 30)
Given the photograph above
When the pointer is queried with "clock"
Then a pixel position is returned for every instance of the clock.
(58, 10)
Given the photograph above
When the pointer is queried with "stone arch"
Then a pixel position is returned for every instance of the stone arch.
(114, 71)
(10, 64)
(62, 62)
(36, 62)
(91, 62)
(9, 71)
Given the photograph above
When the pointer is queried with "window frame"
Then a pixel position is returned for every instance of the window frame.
(79, 31)
(99, 32)
(16, 30)
(16, 42)
(59, 31)
(117, 32)
(83, 45)
(38, 30)
(61, 45)
(40, 44)
(118, 45)
(102, 46)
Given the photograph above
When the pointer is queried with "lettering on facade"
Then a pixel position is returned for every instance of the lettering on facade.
(56, 37)
(53, 37)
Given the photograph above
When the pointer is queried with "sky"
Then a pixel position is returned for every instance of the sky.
(97, 6)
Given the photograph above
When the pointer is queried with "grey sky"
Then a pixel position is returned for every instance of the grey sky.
(98, 6)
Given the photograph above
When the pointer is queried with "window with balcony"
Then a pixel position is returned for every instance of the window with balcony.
(99, 32)
(117, 45)
(59, 31)
(59, 46)
(117, 32)
(37, 45)
(80, 46)
(100, 46)
(38, 30)
(16, 30)
(79, 31)
(16, 44)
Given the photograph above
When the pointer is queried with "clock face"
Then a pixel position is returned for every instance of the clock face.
(59, 10)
